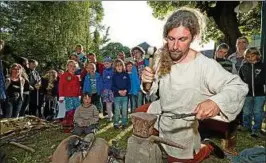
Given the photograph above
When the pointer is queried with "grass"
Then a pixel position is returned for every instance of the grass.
(46, 141)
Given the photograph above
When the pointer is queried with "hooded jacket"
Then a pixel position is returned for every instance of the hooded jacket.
(254, 76)
(87, 84)
(107, 78)
(120, 81)
(135, 82)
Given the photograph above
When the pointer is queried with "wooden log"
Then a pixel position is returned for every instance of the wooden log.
(143, 124)
(23, 146)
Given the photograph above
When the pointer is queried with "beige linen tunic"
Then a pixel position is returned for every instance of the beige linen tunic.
(183, 89)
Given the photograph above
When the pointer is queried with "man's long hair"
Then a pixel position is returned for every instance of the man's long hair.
(165, 61)
(186, 17)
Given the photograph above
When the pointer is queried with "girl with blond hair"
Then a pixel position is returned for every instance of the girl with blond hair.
(15, 85)
(69, 92)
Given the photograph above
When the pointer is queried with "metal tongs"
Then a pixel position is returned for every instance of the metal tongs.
(176, 115)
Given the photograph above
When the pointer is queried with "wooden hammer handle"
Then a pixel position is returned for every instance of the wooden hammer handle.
(147, 86)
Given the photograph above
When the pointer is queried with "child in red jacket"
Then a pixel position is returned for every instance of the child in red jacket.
(69, 91)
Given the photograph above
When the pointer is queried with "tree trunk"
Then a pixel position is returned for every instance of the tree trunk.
(226, 20)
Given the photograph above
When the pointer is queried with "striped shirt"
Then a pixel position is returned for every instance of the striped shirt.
(85, 116)
(226, 64)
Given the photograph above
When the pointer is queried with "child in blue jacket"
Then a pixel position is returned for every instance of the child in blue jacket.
(93, 85)
(135, 85)
(107, 94)
(121, 86)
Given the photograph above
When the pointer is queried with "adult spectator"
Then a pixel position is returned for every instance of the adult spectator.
(237, 58)
(15, 85)
(35, 82)
(92, 59)
(138, 54)
(121, 55)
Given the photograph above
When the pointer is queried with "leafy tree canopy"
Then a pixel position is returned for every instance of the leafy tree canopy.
(113, 48)
(223, 24)
(49, 31)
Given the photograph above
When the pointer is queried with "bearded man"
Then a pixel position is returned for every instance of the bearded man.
(188, 83)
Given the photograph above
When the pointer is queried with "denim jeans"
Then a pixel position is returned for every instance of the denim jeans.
(140, 99)
(121, 104)
(253, 108)
(25, 104)
(96, 100)
(12, 107)
(84, 130)
(133, 102)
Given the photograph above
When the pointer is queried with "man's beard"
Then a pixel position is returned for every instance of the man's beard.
(176, 55)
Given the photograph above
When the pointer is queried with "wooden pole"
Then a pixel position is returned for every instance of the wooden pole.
(22, 146)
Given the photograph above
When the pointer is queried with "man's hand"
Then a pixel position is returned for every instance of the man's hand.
(206, 109)
(147, 75)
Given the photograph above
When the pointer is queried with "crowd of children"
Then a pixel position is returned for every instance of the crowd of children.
(111, 87)
(86, 86)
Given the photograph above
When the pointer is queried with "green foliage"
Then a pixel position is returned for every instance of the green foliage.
(249, 23)
(49, 31)
(113, 48)
(163, 8)
(96, 12)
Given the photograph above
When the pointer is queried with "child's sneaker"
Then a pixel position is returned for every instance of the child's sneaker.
(116, 127)
(124, 127)
(101, 116)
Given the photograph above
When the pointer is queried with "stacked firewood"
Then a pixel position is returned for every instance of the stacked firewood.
(15, 130)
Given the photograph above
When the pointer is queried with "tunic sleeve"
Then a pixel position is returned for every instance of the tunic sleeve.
(228, 89)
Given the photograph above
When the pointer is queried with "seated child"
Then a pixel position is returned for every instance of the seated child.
(86, 117)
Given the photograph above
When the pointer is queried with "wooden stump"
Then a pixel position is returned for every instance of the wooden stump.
(143, 124)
